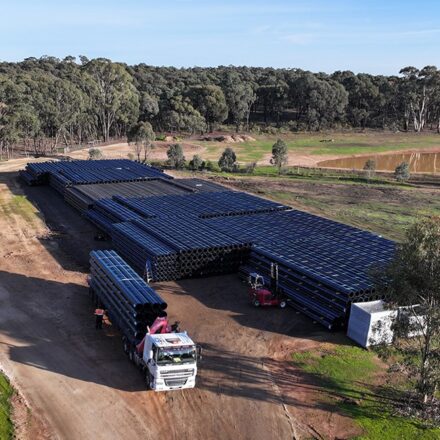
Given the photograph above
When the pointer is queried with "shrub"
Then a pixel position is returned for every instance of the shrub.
(196, 163)
(211, 166)
(279, 154)
(250, 167)
(370, 168)
(402, 172)
(176, 159)
(227, 160)
(95, 154)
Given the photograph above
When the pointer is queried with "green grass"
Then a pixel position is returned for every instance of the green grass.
(390, 218)
(309, 143)
(386, 208)
(6, 428)
(18, 205)
(347, 373)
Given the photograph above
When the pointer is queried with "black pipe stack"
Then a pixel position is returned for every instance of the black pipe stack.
(174, 229)
(130, 302)
(142, 249)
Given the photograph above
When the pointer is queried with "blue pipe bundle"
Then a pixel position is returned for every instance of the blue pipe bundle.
(92, 171)
(83, 197)
(181, 229)
(138, 246)
(203, 205)
(202, 251)
(131, 303)
(100, 220)
(28, 178)
(323, 265)
(115, 212)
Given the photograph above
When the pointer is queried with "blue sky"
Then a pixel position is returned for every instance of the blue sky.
(363, 36)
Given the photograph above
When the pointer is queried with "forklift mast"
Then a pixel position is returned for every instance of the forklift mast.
(274, 277)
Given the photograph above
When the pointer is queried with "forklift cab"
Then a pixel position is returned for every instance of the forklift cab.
(256, 281)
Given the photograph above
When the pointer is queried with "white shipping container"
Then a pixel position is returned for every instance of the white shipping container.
(370, 323)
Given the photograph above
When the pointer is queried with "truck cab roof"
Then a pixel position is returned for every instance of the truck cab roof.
(171, 340)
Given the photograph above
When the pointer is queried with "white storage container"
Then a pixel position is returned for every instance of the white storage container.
(370, 323)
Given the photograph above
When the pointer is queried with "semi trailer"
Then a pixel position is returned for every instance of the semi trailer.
(166, 356)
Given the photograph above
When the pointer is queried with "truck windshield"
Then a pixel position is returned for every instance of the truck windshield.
(175, 355)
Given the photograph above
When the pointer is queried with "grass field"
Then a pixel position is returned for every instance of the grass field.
(310, 143)
(6, 429)
(386, 208)
(346, 375)
(389, 217)
(18, 205)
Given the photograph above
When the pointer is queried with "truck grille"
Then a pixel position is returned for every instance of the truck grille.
(175, 382)
(177, 373)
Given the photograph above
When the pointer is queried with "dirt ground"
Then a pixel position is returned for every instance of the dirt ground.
(78, 383)
(122, 150)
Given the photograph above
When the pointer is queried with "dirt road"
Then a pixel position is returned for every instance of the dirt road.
(77, 381)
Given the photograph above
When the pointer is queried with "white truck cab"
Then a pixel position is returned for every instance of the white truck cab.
(170, 361)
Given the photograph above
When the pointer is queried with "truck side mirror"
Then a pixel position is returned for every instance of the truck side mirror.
(150, 355)
(199, 352)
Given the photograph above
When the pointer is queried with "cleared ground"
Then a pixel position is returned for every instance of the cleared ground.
(305, 149)
(77, 381)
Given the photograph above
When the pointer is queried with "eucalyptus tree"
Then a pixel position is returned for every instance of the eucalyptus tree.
(239, 97)
(141, 136)
(228, 160)
(178, 114)
(279, 154)
(210, 101)
(412, 281)
(176, 159)
(418, 89)
(115, 97)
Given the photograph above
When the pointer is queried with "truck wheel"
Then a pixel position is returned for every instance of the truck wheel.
(283, 304)
(149, 380)
(256, 303)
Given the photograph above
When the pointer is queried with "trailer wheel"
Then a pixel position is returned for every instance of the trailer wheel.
(126, 346)
(283, 304)
(256, 303)
(131, 356)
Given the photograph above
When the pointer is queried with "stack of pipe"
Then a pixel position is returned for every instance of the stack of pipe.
(201, 250)
(130, 302)
(140, 247)
(100, 220)
(76, 198)
(29, 178)
(58, 182)
(92, 171)
(83, 197)
(323, 265)
(38, 172)
(202, 205)
(182, 229)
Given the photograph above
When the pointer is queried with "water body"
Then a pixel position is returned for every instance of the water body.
(418, 162)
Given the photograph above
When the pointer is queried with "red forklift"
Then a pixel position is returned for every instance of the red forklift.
(266, 296)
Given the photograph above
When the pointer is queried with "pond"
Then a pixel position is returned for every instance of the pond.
(419, 162)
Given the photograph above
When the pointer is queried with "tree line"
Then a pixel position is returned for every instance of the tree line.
(48, 102)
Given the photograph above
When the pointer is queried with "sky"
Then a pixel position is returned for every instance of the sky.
(378, 37)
